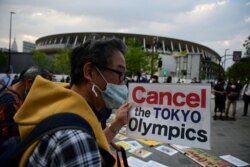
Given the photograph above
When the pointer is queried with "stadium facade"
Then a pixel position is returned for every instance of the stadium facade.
(180, 58)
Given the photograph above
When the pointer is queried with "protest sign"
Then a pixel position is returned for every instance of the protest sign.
(170, 113)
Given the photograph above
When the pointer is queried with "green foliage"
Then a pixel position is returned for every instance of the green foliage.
(247, 46)
(240, 70)
(183, 53)
(41, 59)
(58, 63)
(61, 61)
(3, 59)
(136, 58)
(153, 57)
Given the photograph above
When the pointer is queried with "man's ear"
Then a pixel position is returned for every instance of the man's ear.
(88, 71)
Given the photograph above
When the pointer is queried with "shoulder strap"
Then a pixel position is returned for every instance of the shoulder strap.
(55, 123)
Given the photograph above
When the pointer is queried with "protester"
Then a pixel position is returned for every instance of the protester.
(154, 79)
(6, 80)
(15, 79)
(232, 97)
(140, 78)
(67, 79)
(246, 97)
(97, 82)
(169, 79)
(220, 98)
(194, 80)
(11, 100)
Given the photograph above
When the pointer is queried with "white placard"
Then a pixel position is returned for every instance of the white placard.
(170, 113)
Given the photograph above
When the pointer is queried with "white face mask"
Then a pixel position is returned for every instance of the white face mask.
(114, 95)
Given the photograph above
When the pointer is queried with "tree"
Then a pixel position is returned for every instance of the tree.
(3, 59)
(41, 59)
(61, 61)
(136, 57)
(240, 70)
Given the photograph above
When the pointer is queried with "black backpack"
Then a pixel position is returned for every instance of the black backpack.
(49, 125)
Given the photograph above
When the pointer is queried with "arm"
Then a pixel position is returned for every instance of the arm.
(120, 120)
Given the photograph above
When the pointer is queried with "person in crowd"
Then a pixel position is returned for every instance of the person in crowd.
(154, 79)
(220, 98)
(67, 79)
(194, 80)
(169, 79)
(97, 82)
(6, 80)
(129, 79)
(140, 78)
(15, 79)
(239, 86)
(246, 97)
(232, 97)
(11, 100)
(62, 79)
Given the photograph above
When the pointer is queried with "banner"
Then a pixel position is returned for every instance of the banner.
(170, 113)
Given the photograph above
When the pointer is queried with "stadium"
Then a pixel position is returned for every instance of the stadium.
(180, 58)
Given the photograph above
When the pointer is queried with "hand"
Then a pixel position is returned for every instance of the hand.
(122, 115)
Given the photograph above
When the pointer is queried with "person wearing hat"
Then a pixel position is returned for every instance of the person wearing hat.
(11, 100)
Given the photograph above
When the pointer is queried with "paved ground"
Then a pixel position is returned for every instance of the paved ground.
(227, 138)
(232, 137)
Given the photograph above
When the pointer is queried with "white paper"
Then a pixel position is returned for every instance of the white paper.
(135, 162)
(166, 150)
(152, 163)
(134, 144)
(120, 137)
(179, 146)
(233, 160)
(123, 130)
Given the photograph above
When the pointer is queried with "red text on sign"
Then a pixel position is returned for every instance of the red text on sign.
(192, 99)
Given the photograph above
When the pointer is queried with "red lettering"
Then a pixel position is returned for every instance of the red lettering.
(165, 94)
(136, 90)
(193, 100)
(203, 98)
(152, 97)
(179, 99)
(175, 99)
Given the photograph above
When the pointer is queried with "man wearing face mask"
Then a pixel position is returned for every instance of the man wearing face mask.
(11, 100)
(97, 82)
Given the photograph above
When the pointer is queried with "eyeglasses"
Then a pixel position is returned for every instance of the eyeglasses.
(122, 75)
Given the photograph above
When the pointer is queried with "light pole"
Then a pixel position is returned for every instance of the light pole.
(11, 13)
(225, 59)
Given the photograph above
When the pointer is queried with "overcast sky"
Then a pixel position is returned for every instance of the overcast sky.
(218, 24)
